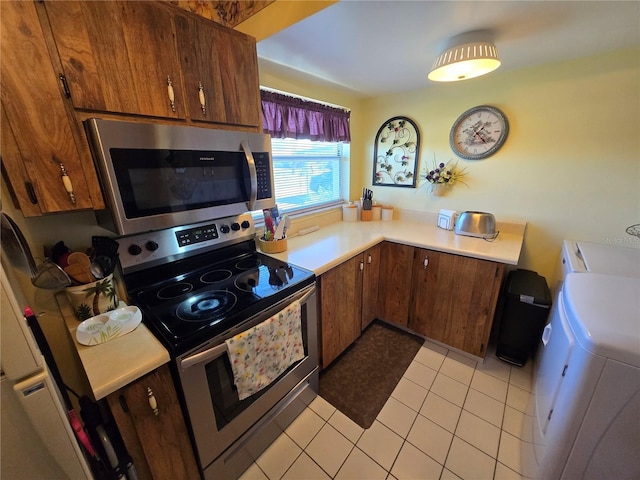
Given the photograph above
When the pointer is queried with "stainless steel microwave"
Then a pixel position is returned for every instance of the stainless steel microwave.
(157, 176)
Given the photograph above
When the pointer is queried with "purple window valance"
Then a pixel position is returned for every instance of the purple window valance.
(289, 117)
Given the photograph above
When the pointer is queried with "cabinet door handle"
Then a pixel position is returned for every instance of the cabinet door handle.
(361, 265)
(171, 94)
(65, 85)
(369, 259)
(66, 181)
(31, 193)
(426, 262)
(201, 98)
(153, 403)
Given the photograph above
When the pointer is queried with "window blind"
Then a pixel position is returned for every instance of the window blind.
(307, 174)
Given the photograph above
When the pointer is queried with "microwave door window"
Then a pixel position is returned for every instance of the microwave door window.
(165, 181)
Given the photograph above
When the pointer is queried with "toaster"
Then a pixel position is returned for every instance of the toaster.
(476, 224)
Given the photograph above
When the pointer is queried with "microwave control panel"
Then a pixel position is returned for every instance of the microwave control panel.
(263, 174)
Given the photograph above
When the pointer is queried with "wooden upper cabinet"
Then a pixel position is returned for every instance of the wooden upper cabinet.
(201, 70)
(454, 299)
(119, 56)
(220, 71)
(238, 60)
(37, 130)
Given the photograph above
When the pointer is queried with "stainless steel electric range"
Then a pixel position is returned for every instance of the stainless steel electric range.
(199, 285)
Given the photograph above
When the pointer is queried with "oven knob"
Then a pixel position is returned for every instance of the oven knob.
(224, 228)
(235, 226)
(245, 224)
(151, 246)
(134, 249)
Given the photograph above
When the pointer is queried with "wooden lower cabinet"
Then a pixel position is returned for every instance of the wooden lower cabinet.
(371, 285)
(340, 308)
(349, 302)
(396, 266)
(445, 297)
(158, 442)
(454, 299)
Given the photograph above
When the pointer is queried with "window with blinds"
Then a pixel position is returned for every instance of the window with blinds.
(308, 174)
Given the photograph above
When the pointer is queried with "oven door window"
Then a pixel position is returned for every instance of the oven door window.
(153, 182)
(223, 392)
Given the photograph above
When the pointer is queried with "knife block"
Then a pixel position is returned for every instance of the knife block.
(367, 215)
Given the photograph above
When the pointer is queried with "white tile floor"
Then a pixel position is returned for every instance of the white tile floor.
(449, 418)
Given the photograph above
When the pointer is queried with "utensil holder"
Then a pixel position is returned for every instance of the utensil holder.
(367, 215)
(93, 298)
(273, 246)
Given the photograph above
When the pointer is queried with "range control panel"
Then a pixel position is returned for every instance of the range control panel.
(147, 249)
(195, 235)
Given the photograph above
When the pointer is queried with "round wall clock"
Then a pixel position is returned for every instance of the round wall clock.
(479, 132)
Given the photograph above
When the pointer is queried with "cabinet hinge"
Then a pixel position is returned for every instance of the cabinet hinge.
(31, 193)
(65, 85)
(482, 347)
(550, 412)
(123, 403)
(564, 370)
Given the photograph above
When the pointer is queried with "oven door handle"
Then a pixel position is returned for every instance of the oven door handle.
(205, 356)
(219, 350)
(253, 175)
(304, 297)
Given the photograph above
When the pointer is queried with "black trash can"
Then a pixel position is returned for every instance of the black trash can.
(526, 307)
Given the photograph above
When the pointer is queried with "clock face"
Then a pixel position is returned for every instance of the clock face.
(479, 132)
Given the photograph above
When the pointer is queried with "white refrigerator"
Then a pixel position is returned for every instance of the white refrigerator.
(37, 439)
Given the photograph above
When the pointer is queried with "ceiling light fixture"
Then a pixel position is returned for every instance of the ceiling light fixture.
(465, 56)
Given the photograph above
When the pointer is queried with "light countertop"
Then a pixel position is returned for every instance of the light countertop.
(331, 245)
(118, 362)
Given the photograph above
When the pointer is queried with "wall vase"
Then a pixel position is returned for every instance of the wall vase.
(438, 189)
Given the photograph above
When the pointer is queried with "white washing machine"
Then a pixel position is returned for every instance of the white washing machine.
(586, 421)
(587, 389)
(578, 256)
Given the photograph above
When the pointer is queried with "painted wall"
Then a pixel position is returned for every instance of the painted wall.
(570, 167)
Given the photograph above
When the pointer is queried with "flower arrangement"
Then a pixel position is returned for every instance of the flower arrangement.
(445, 174)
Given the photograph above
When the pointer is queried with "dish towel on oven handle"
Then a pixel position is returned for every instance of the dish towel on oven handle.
(259, 355)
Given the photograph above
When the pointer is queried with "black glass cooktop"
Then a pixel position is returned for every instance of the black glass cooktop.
(188, 302)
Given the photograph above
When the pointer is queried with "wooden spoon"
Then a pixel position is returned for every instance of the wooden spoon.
(79, 258)
(79, 273)
(79, 267)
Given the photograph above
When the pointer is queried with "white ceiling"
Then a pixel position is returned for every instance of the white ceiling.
(370, 47)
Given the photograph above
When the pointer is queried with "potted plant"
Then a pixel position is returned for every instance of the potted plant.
(443, 176)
